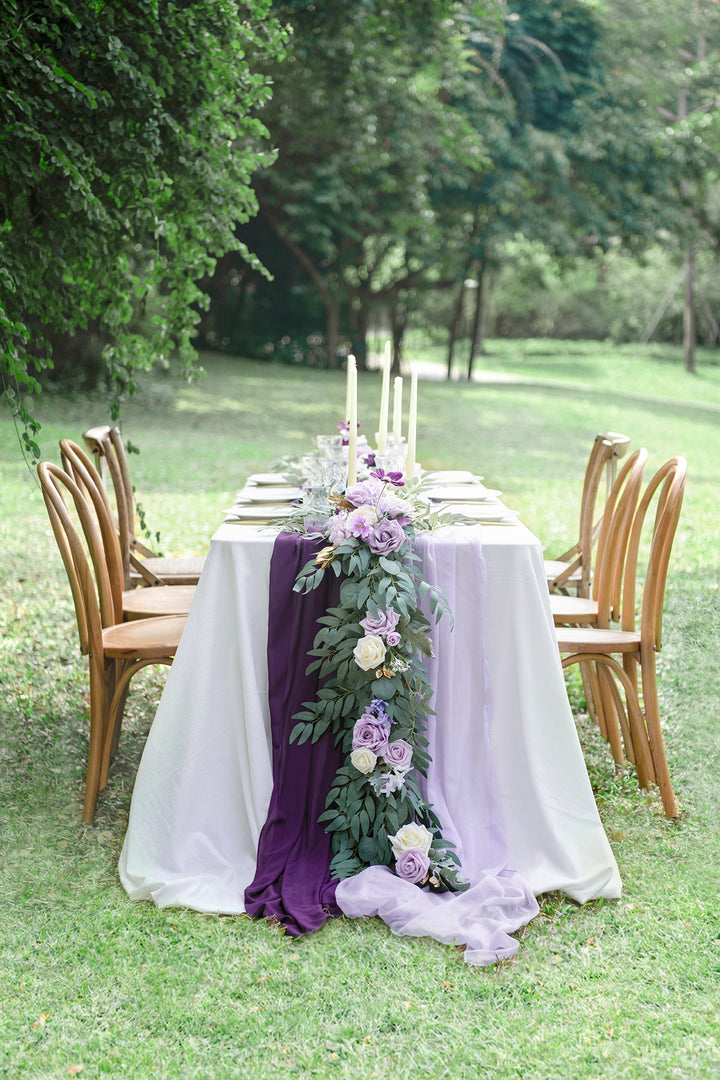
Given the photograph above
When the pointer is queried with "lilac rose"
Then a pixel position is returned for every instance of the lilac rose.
(398, 754)
(392, 639)
(381, 624)
(386, 536)
(337, 529)
(371, 734)
(394, 507)
(412, 866)
(366, 493)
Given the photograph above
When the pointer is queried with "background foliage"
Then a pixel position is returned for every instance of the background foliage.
(127, 146)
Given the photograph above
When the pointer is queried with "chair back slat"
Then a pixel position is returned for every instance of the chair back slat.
(669, 485)
(89, 580)
(606, 448)
(78, 464)
(106, 445)
(614, 536)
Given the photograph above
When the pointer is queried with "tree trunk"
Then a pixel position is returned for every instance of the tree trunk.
(360, 329)
(689, 330)
(455, 325)
(476, 334)
(332, 328)
(398, 323)
(332, 305)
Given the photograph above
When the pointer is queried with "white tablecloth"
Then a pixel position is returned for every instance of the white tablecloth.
(205, 779)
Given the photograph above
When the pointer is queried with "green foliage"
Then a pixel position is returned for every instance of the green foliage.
(366, 807)
(127, 145)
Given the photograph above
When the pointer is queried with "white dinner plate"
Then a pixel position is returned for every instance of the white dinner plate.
(460, 493)
(267, 479)
(257, 513)
(452, 476)
(481, 512)
(269, 494)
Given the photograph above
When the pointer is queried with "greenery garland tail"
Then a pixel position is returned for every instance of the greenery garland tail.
(375, 694)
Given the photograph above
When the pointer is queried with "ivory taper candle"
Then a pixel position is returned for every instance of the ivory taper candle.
(397, 408)
(352, 422)
(384, 399)
(350, 366)
(412, 426)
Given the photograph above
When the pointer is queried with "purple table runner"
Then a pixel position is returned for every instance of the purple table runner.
(292, 882)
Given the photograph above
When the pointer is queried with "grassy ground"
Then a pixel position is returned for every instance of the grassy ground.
(95, 985)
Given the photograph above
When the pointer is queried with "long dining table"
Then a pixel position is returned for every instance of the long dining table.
(211, 827)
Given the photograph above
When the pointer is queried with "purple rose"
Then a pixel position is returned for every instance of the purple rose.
(369, 733)
(366, 493)
(386, 536)
(398, 754)
(392, 639)
(382, 624)
(412, 865)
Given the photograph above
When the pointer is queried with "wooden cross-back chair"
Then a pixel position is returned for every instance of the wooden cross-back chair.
(134, 603)
(635, 670)
(141, 565)
(573, 568)
(116, 650)
(605, 603)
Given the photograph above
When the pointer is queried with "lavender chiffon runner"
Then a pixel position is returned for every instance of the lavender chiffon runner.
(292, 881)
(460, 784)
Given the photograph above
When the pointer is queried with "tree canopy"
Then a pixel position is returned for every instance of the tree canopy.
(129, 133)
(409, 161)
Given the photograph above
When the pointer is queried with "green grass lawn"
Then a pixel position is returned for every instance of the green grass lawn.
(95, 985)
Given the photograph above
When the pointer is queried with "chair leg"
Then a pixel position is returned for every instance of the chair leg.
(98, 715)
(637, 734)
(591, 688)
(654, 732)
(124, 674)
(610, 715)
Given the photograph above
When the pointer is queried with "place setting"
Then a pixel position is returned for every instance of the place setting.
(300, 495)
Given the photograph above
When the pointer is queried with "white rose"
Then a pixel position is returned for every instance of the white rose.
(413, 836)
(363, 759)
(369, 652)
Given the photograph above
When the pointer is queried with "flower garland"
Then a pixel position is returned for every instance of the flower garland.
(375, 693)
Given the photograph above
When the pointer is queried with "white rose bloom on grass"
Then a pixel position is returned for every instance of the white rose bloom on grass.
(369, 652)
(412, 835)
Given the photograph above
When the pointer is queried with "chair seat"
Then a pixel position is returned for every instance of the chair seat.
(573, 609)
(580, 640)
(157, 600)
(173, 569)
(144, 637)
